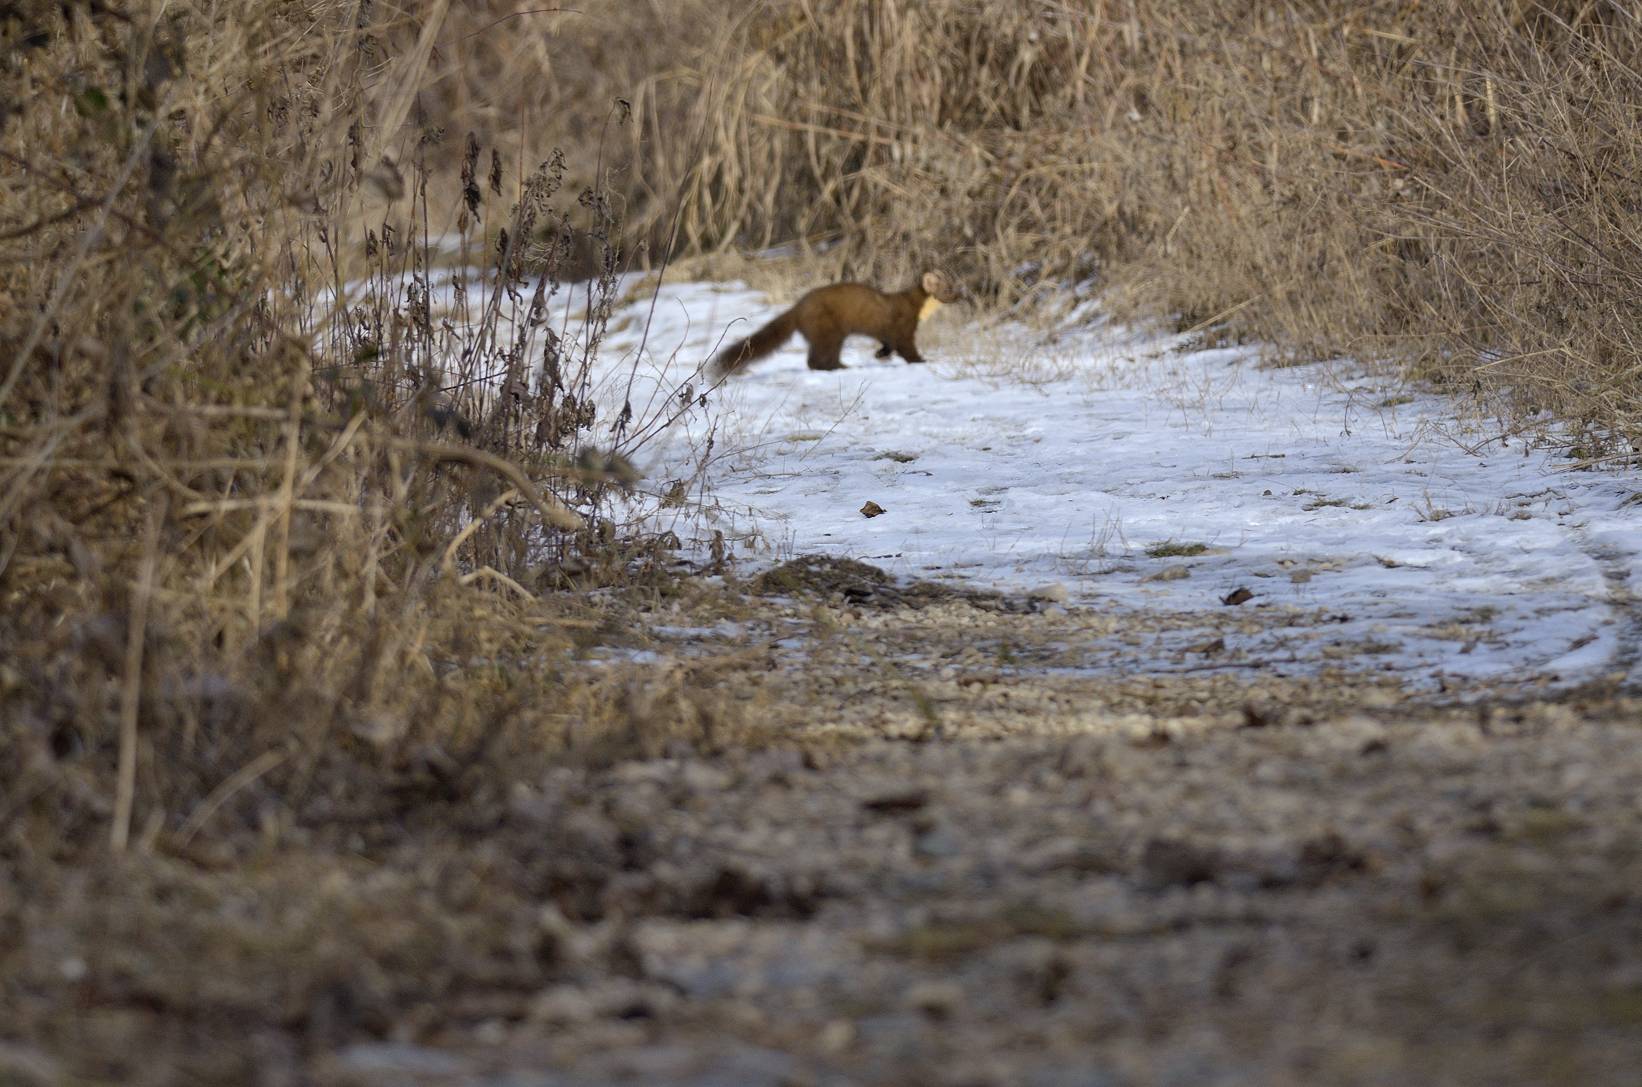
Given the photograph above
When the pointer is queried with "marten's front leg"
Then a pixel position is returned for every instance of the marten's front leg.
(884, 351)
(908, 350)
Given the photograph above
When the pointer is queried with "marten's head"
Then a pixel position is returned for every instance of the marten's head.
(940, 286)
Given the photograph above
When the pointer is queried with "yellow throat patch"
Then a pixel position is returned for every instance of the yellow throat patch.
(931, 304)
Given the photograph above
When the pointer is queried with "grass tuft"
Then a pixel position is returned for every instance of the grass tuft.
(1165, 549)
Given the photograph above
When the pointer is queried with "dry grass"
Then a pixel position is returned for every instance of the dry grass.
(261, 556)
(284, 552)
(1447, 185)
(1441, 186)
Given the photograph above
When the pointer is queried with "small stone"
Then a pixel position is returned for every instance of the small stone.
(1069, 854)
(837, 1036)
(398, 1062)
(703, 777)
(1170, 862)
(1237, 596)
(1054, 593)
(872, 509)
(936, 999)
(1177, 572)
(615, 998)
(937, 843)
(1258, 714)
(898, 800)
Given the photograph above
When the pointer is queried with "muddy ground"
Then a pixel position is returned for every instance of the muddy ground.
(917, 836)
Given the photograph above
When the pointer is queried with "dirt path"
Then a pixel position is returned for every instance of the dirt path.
(867, 832)
(968, 862)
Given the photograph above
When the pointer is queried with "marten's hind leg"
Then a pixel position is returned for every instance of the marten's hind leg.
(824, 350)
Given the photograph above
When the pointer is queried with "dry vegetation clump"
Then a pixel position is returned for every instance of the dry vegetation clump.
(295, 463)
(255, 544)
(1449, 184)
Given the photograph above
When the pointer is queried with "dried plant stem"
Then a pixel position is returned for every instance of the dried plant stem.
(448, 562)
(258, 550)
(552, 510)
(125, 787)
(407, 81)
(273, 504)
(225, 791)
(498, 577)
(287, 488)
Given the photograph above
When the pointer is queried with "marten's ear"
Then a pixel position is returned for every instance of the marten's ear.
(938, 286)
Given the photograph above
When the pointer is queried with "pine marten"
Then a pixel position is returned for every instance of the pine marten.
(828, 314)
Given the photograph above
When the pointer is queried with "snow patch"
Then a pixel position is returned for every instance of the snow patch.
(1029, 458)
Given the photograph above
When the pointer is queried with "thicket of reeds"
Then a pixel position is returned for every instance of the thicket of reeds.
(1445, 186)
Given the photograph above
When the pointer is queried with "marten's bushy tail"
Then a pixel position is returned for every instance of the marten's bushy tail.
(756, 346)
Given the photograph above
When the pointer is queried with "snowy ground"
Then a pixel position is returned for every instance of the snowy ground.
(1105, 468)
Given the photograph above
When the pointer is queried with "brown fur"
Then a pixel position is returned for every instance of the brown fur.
(826, 315)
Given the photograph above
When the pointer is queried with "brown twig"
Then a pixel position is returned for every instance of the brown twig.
(125, 789)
